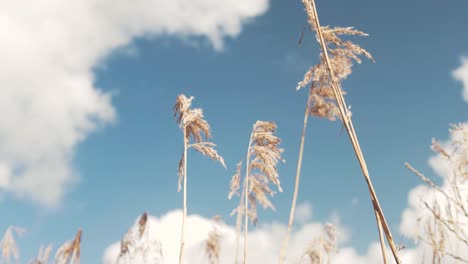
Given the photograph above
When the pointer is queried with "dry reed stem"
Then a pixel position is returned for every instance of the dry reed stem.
(321, 100)
(346, 119)
(246, 199)
(195, 127)
(8, 244)
(184, 205)
(284, 246)
(69, 252)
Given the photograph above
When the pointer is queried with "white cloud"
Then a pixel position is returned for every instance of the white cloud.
(303, 212)
(461, 74)
(264, 239)
(48, 99)
(264, 242)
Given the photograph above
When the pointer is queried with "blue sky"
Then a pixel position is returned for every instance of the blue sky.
(128, 164)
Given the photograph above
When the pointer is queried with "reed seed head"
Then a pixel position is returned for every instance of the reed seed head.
(196, 128)
(212, 244)
(69, 252)
(342, 53)
(8, 243)
(235, 181)
(264, 155)
(43, 255)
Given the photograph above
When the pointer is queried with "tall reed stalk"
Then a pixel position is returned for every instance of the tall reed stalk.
(263, 155)
(346, 119)
(193, 126)
(246, 198)
(296, 185)
(326, 100)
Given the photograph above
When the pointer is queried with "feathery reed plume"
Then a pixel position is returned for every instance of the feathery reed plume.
(69, 252)
(263, 155)
(137, 247)
(8, 243)
(321, 98)
(445, 231)
(323, 247)
(193, 126)
(336, 61)
(43, 255)
(212, 244)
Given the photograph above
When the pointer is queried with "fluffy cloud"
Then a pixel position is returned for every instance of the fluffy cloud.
(303, 213)
(48, 100)
(264, 242)
(264, 239)
(461, 74)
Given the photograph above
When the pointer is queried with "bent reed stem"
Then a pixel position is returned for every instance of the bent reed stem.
(345, 116)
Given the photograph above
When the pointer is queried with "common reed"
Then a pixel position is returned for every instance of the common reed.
(263, 155)
(213, 242)
(8, 243)
(446, 215)
(70, 251)
(326, 100)
(322, 248)
(137, 247)
(43, 255)
(197, 130)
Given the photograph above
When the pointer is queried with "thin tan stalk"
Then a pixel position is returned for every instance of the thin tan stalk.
(184, 214)
(239, 226)
(345, 116)
(246, 198)
(381, 239)
(193, 126)
(284, 246)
